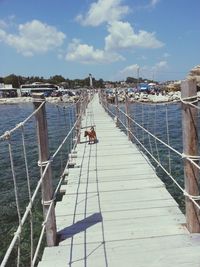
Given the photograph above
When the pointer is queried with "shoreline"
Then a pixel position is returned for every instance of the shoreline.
(171, 97)
(24, 100)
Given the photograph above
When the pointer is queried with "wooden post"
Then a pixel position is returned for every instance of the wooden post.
(190, 148)
(106, 102)
(117, 108)
(78, 125)
(85, 102)
(47, 189)
(128, 123)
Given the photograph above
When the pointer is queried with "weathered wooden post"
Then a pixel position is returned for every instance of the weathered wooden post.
(106, 101)
(190, 148)
(103, 96)
(84, 102)
(47, 189)
(128, 122)
(100, 95)
(78, 125)
(117, 108)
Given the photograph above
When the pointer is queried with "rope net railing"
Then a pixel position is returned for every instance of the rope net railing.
(22, 175)
(156, 128)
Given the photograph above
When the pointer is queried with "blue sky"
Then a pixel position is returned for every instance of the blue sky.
(112, 39)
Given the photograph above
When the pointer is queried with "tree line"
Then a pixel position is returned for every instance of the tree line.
(16, 81)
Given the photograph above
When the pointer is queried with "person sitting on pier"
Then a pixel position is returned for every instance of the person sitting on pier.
(92, 135)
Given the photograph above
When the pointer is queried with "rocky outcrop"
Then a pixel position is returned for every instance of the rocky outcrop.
(157, 98)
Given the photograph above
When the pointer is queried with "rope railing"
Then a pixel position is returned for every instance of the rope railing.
(192, 198)
(182, 155)
(189, 100)
(54, 194)
(45, 167)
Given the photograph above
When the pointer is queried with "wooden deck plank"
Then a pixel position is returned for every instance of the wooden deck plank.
(159, 252)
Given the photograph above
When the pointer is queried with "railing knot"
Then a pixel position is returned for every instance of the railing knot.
(191, 196)
(20, 125)
(47, 202)
(195, 158)
(189, 100)
(44, 163)
(7, 135)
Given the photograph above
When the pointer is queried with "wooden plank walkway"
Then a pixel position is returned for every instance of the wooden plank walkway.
(116, 211)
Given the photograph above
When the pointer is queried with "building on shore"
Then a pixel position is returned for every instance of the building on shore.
(7, 90)
(38, 87)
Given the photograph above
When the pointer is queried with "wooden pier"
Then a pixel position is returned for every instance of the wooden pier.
(115, 210)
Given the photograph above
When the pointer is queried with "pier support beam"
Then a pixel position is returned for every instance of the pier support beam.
(47, 188)
(190, 148)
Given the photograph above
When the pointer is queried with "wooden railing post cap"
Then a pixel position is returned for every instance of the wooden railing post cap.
(38, 97)
(188, 87)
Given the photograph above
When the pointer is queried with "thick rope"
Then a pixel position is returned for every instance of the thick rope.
(16, 195)
(191, 101)
(29, 190)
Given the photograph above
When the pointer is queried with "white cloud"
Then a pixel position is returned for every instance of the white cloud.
(103, 11)
(3, 24)
(34, 37)
(131, 71)
(87, 54)
(160, 65)
(166, 55)
(2, 35)
(153, 3)
(122, 36)
(152, 72)
(144, 71)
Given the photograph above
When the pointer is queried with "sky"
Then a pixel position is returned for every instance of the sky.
(111, 39)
